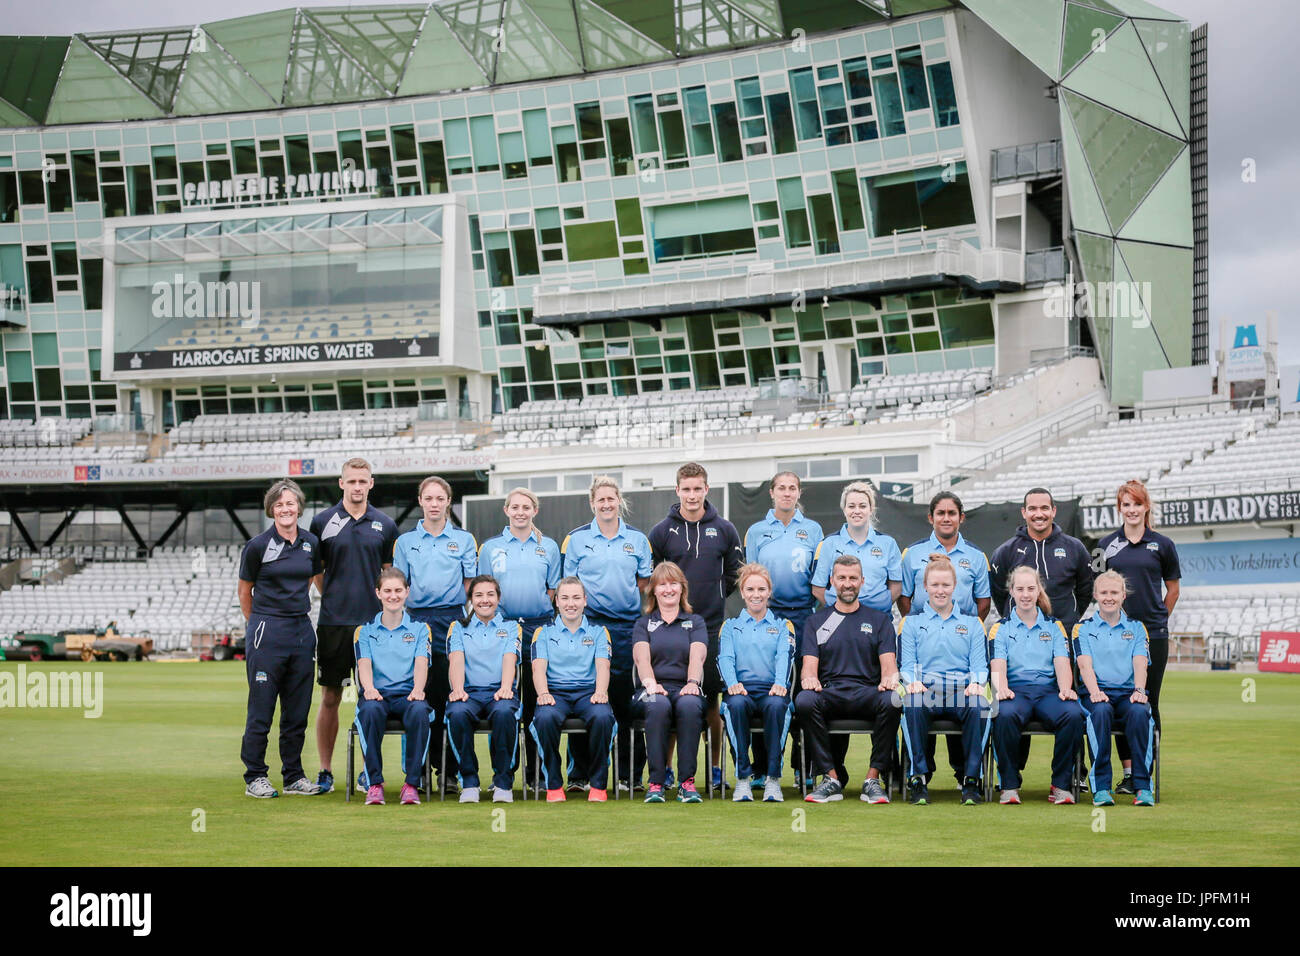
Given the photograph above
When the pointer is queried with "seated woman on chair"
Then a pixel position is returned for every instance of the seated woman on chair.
(755, 650)
(482, 654)
(944, 664)
(1033, 679)
(669, 645)
(571, 675)
(1113, 657)
(393, 654)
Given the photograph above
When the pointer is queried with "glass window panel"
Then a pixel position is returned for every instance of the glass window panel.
(538, 138)
(823, 221)
(889, 105)
(697, 117)
(643, 123)
(628, 214)
(857, 78)
(848, 198)
(525, 243)
(591, 240)
(965, 325)
(588, 120)
(483, 138)
(621, 160)
(512, 155)
(779, 115)
(945, 97)
(724, 118)
(674, 134)
(911, 72)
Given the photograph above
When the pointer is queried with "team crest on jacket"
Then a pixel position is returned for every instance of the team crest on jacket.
(1127, 636)
(687, 625)
(961, 629)
(774, 630)
(376, 526)
(710, 532)
(865, 628)
(1044, 636)
(501, 632)
(964, 564)
(628, 549)
(876, 552)
(541, 552)
(1059, 552)
(801, 534)
(1153, 545)
(588, 642)
(306, 547)
(453, 547)
(408, 637)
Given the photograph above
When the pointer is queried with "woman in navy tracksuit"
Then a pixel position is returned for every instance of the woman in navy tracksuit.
(669, 645)
(275, 575)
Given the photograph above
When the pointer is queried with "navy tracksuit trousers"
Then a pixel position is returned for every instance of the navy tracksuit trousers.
(1042, 703)
(946, 702)
(462, 720)
(663, 714)
(372, 718)
(847, 699)
(601, 726)
(279, 658)
(1139, 728)
(738, 711)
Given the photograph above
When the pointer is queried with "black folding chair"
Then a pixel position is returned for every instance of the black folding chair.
(1036, 728)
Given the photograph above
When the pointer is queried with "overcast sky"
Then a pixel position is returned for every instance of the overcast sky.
(1254, 73)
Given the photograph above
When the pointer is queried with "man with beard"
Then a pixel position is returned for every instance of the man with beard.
(850, 669)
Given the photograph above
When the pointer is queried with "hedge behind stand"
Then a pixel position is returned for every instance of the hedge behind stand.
(986, 526)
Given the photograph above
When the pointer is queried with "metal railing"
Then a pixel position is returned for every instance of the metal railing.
(1045, 265)
(1026, 161)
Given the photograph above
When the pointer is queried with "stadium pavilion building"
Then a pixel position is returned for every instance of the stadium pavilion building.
(492, 202)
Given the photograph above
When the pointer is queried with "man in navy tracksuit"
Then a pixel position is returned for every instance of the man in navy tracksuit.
(707, 547)
(1062, 561)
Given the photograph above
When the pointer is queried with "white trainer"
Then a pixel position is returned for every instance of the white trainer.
(772, 790)
(741, 794)
(469, 795)
(502, 796)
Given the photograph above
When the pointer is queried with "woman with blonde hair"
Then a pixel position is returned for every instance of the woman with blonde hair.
(1149, 563)
(1113, 655)
(527, 565)
(882, 563)
(755, 651)
(612, 560)
(669, 646)
(1033, 680)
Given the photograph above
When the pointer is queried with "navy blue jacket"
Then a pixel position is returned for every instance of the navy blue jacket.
(708, 551)
(1062, 562)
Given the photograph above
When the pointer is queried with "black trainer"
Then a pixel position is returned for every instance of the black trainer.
(970, 792)
(917, 793)
(1126, 785)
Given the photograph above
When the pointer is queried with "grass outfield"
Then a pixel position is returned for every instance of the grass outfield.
(122, 790)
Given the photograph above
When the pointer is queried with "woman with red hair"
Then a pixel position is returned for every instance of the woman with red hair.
(1149, 563)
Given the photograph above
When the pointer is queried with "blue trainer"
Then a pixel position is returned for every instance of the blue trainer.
(1102, 798)
(325, 780)
(1144, 798)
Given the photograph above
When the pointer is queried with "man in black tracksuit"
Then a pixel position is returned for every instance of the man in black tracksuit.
(1063, 564)
(707, 547)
